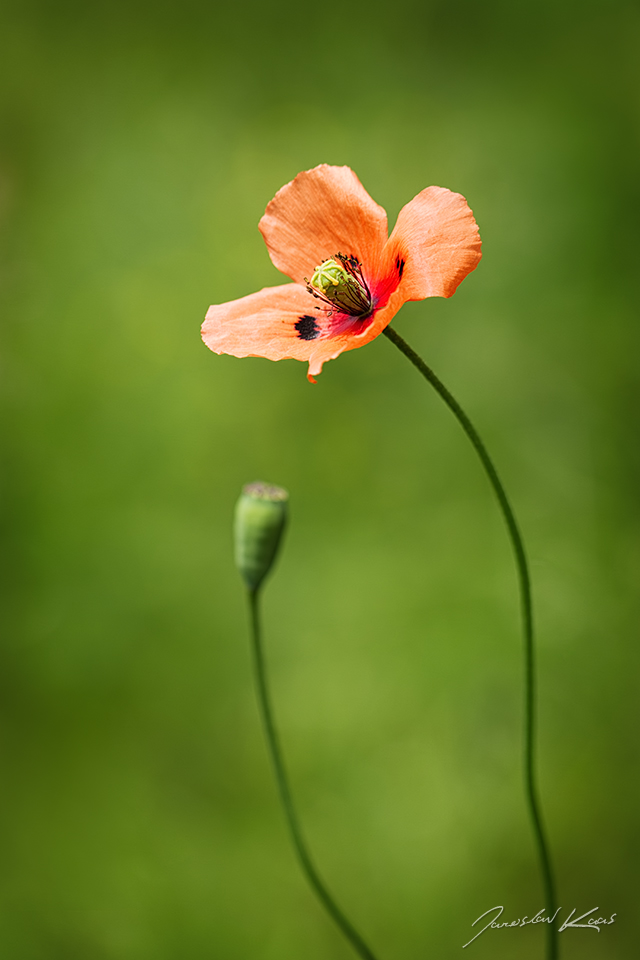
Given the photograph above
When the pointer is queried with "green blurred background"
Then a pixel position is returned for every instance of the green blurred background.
(140, 144)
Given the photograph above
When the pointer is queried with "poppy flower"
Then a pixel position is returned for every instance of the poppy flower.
(350, 277)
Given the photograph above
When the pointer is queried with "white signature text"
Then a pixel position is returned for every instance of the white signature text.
(592, 923)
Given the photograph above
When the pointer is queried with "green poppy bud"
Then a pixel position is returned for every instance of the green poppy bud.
(260, 517)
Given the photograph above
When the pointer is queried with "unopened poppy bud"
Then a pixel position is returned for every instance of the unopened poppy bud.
(260, 517)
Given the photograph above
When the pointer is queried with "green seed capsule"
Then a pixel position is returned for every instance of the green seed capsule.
(260, 517)
(340, 282)
(331, 278)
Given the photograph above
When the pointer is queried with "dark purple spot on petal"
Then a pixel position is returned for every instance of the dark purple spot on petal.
(307, 328)
(399, 267)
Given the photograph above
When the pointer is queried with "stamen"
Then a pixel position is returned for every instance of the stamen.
(339, 282)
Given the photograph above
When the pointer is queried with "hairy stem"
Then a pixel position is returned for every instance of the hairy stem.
(531, 788)
(284, 789)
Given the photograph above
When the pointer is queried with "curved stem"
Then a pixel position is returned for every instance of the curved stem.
(284, 790)
(531, 788)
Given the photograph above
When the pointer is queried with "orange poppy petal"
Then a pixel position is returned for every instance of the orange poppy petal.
(434, 245)
(322, 212)
(355, 335)
(264, 324)
(282, 323)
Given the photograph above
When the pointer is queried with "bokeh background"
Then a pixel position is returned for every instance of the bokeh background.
(140, 144)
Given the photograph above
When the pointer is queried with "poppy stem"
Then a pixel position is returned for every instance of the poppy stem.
(531, 788)
(286, 798)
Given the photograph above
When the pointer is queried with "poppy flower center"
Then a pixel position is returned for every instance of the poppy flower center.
(339, 282)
